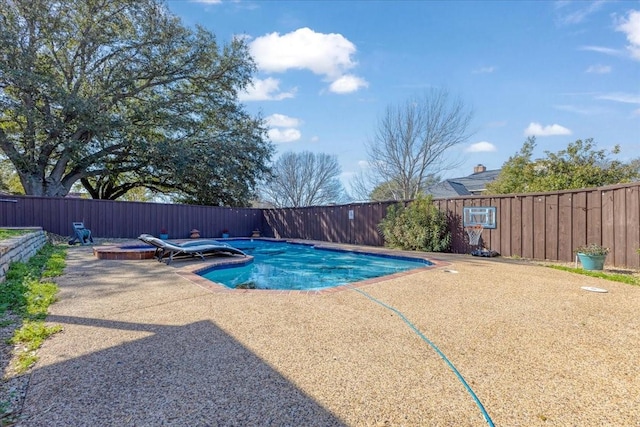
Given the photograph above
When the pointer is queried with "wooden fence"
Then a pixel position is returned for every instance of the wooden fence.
(552, 225)
(108, 218)
(353, 223)
(538, 226)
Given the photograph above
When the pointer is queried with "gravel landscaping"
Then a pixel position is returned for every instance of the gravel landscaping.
(142, 345)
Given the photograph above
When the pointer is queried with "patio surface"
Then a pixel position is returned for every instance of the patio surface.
(142, 345)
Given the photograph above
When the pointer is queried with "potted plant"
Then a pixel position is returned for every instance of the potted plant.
(225, 233)
(592, 256)
(164, 234)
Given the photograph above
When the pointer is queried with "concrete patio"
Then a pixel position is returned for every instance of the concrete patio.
(142, 345)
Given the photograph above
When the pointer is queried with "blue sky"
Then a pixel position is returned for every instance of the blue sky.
(561, 71)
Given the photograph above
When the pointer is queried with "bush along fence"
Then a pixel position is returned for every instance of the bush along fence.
(537, 226)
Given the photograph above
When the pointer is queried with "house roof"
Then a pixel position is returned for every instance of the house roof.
(478, 181)
(475, 183)
(447, 188)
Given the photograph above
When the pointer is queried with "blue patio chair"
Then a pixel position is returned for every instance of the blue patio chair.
(82, 234)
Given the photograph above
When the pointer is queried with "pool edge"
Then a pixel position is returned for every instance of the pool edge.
(191, 272)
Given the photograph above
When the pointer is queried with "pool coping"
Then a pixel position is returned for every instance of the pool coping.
(192, 272)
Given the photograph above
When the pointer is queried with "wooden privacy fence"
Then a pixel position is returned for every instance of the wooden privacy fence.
(353, 223)
(538, 226)
(552, 225)
(108, 218)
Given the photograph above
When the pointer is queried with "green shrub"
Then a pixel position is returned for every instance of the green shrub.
(419, 226)
(592, 249)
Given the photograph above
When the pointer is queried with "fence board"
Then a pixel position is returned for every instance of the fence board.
(579, 220)
(527, 219)
(504, 205)
(493, 240)
(551, 226)
(459, 239)
(619, 250)
(515, 231)
(608, 236)
(565, 224)
(594, 217)
(632, 219)
(539, 236)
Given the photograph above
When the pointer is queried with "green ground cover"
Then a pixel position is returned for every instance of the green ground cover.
(7, 234)
(616, 277)
(27, 294)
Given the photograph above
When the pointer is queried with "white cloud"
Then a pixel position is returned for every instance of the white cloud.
(327, 55)
(536, 129)
(599, 69)
(577, 16)
(283, 128)
(631, 27)
(484, 70)
(323, 54)
(207, 1)
(315, 138)
(606, 50)
(280, 120)
(284, 135)
(265, 90)
(636, 112)
(587, 111)
(480, 147)
(364, 164)
(347, 84)
(626, 98)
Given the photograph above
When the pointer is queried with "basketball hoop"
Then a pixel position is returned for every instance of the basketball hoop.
(474, 232)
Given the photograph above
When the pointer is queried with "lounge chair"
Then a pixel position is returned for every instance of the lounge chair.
(81, 234)
(153, 241)
(195, 248)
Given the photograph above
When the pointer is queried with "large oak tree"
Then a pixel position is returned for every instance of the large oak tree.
(119, 94)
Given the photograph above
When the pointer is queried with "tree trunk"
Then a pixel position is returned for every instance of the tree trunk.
(35, 185)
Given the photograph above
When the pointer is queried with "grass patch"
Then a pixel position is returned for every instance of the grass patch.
(25, 293)
(615, 277)
(55, 264)
(28, 339)
(7, 234)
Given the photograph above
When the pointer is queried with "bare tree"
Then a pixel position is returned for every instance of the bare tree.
(412, 145)
(304, 179)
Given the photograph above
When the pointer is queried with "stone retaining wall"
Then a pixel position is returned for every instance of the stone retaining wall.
(20, 249)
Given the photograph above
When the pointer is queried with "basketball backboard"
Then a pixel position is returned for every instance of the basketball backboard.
(479, 215)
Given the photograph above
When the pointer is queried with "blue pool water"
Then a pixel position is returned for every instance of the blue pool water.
(280, 265)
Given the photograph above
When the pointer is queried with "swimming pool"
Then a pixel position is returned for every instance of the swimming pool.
(289, 266)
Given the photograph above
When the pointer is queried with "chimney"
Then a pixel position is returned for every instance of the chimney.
(479, 168)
